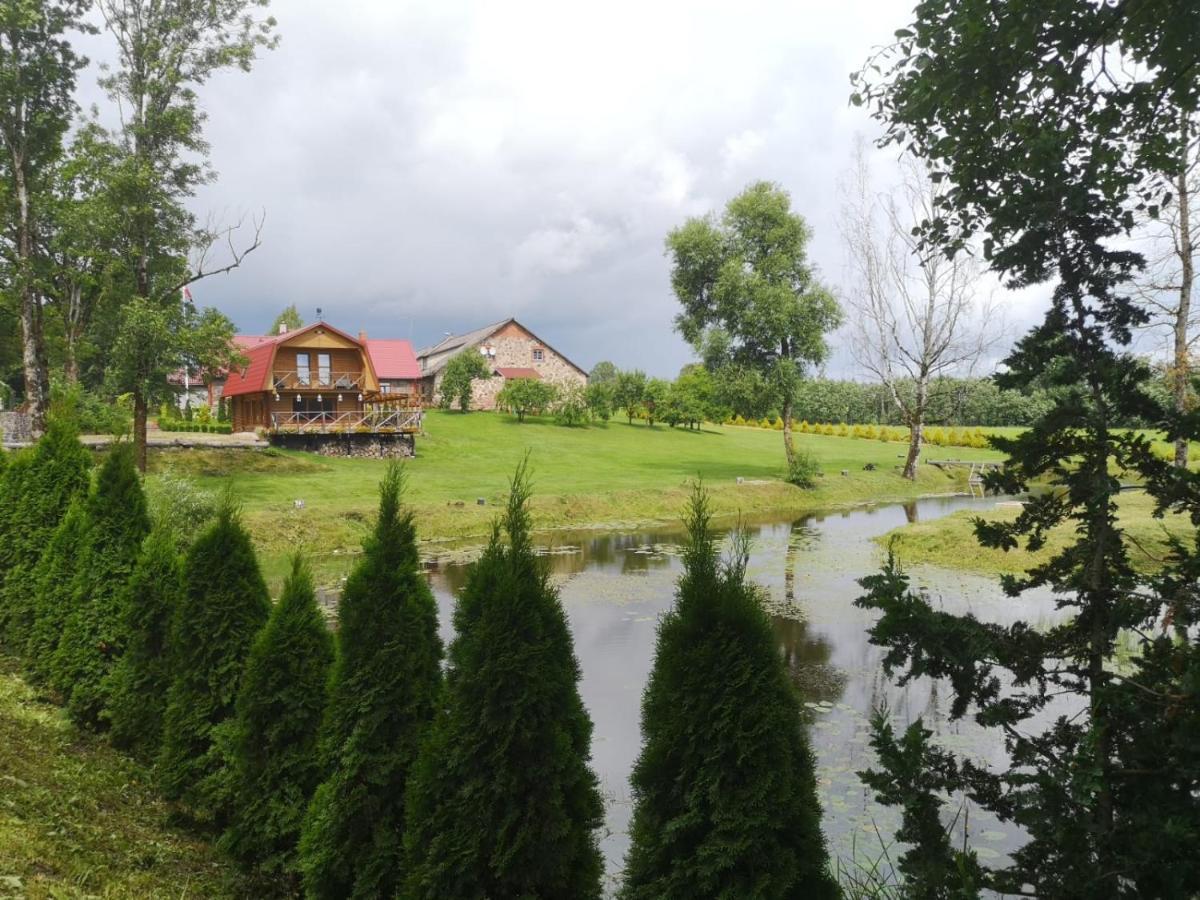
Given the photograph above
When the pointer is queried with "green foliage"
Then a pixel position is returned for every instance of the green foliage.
(92, 413)
(502, 801)
(223, 605)
(654, 398)
(629, 391)
(458, 376)
(525, 396)
(601, 399)
(383, 694)
(179, 507)
(571, 409)
(289, 317)
(603, 372)
(140, 680)
(279, 709)
(692, 399)
(1048, 161)
(55, 579)
(804, 470)
(38, 490)
(725, 801)
(93, 631)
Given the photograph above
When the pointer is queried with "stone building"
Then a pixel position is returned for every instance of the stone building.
(511, 350)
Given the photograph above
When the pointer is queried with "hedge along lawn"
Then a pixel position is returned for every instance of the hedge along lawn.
(598, 476)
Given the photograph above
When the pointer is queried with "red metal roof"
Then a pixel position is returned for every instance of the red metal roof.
(393, 359)
(250, 341)
(251, 378)
(518, 372)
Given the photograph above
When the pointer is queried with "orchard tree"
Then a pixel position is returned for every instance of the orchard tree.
(629, 390)
(37, 81)
(600, 399)
(603, 372)
(523, 396)
(1065, 133)
(750, 296)
(458, 379)
(654, 398)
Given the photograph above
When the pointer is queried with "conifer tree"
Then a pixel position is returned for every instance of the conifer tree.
(724, 788)
(40, 491)
(142, 676)
(503, 802)
(279, 709)
(54, 581)
(94, 629)
(223, 605)
(383, 693)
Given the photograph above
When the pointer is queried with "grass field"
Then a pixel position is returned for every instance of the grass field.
(600, 476)
(78, 819)
(950, 542)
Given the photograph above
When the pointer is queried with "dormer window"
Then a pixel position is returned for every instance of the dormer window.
(537, 354)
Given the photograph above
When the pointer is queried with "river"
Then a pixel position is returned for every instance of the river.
(615, 587)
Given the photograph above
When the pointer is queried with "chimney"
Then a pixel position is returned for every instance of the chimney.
(362, 337)
(283, 327)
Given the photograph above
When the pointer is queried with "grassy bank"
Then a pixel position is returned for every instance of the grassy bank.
(950, 541)
(77, 819)
(601, 476)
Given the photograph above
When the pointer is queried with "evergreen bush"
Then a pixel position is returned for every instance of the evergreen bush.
(279, 709)
(94, 630)
(383, 693)
(223, 605)
(142, 676)
(502, 801)
(724, 788)
(54, 579)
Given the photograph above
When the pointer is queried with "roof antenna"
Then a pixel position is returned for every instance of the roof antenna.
(319, 314)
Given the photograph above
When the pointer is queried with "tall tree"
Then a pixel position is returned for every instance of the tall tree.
(288, 320)
(725, 794)
(1066, 131)
(279, 707)
(750, 295)
(502, 802)
(383, 694)
(603, 372)
(37, 79)
(629, 390)
(224, 604)
(917, 314)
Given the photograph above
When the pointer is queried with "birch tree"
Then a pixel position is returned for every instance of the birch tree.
(917, 314)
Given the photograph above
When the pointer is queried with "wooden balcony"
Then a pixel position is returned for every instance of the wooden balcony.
(318, 380)
(404, 420)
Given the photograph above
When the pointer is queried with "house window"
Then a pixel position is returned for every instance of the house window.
(302, 374)
(324, 374)
(537, 355)
(385, 387)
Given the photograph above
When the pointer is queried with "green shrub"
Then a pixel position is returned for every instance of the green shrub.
(526, 396)
(140, 680)
(93, 633)
(725, 800)
(279, 709)
(502, 801)
(572, 407)
(54, 578)
(223, 605)
(804, 470)
(178, 506)
(383, 693)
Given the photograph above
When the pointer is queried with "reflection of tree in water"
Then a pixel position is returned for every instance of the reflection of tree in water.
(806, 656)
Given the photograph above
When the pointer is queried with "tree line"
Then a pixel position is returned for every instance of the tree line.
(369, 761)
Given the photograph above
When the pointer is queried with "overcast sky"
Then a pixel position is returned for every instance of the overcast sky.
(434, 166)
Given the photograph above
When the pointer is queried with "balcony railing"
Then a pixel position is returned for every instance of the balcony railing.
(318, 379)
(385, 421)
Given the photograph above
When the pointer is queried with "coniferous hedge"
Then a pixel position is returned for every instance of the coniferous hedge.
(223, 605)
(39, 492)
(279, 710)
(54, 592)
(724, 788)
(142, 676)
(383, 694)
(503, 802)
(94, 631)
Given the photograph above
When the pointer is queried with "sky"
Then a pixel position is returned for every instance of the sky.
(429, 167)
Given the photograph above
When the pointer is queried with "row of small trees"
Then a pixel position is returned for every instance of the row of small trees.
(350, 764)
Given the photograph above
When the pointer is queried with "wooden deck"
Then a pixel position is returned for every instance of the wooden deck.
(381, 421)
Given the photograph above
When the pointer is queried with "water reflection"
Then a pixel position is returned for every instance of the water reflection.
(616, 586)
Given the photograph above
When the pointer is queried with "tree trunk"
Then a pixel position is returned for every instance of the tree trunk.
(1182, 371)
(789, 446)
(73, 327)
(915, 432)
(139, 429)
(33, 344)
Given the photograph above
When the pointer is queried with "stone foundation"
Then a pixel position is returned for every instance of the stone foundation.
(15, 428)
(352, 444)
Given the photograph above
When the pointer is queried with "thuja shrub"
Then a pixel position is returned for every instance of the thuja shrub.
(279, 709)
(54, 578)
(383, 693)
(724, 789)
(223, 605)
(94, 630)
(141, 678)
(503, 802)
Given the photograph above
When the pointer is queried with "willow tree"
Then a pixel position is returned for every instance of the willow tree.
(1065, 132)
(750, 296)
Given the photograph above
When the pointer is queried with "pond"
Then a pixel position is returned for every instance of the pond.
(615, 587)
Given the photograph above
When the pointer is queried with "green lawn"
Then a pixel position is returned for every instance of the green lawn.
(608, 475)
(78, 819)
(950, 542)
